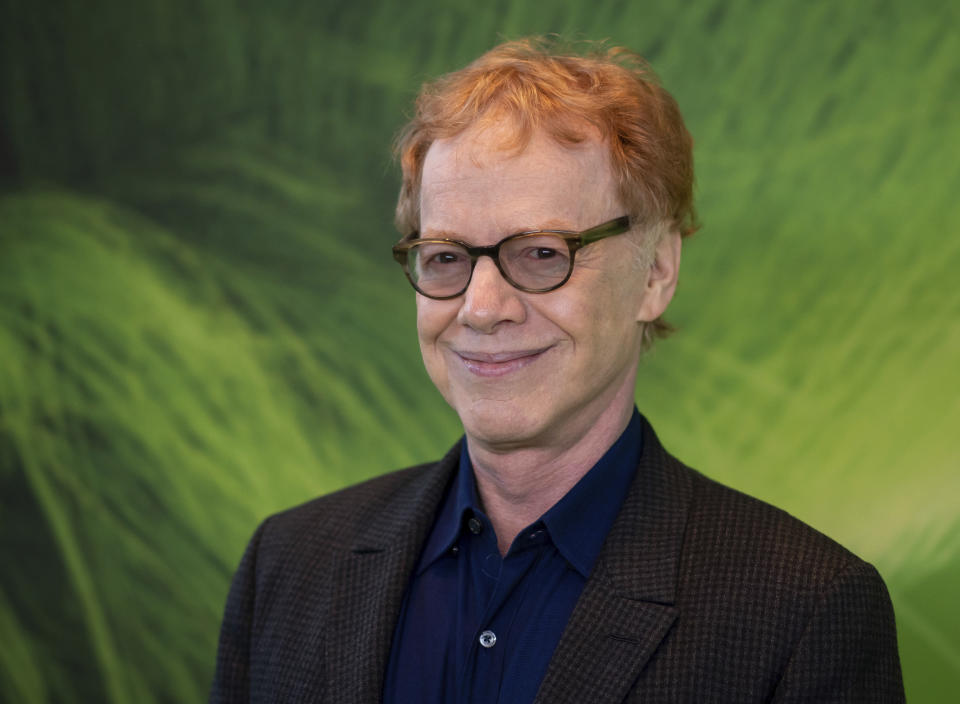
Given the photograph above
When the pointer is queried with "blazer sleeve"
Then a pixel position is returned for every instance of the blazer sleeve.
(231, 682)
(848, 650)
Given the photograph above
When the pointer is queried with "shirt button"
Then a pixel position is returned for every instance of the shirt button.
(488, 639)
(474, 525)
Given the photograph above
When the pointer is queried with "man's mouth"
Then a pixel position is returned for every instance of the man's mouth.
(493, 364)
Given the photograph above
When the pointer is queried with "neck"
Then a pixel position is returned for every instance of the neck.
(519, 485)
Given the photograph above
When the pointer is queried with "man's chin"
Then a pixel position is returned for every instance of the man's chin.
(498, 427)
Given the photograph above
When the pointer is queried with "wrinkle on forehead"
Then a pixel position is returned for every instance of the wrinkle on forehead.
(455, 167)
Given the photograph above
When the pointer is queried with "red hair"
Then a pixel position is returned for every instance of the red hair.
(541, 84)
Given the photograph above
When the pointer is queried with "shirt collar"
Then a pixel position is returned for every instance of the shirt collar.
(459, 500)
(577, 524)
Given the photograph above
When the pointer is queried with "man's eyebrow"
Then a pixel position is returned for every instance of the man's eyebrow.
(439, 234)
(551, 224)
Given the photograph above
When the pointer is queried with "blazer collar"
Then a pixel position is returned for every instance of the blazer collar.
(641, 555)
(627, 606)
(368, 580)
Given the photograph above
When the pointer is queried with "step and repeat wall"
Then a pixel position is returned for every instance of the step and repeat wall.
(201, 323)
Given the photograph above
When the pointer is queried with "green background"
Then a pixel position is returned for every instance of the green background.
(200, 322)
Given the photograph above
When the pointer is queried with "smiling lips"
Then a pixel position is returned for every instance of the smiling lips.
(499, 363)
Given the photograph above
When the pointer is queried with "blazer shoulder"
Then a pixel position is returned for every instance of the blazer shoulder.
(354, 503)
(728, 527)
(799, 617)
(380, 506)
(282, 590)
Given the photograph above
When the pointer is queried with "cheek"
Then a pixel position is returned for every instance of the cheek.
(601, 322)
(434, 318)
(429, 322)
(586, 315)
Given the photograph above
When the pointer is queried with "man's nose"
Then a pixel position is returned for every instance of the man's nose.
(490, 299)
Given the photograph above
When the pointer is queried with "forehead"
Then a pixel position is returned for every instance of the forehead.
(480, 176)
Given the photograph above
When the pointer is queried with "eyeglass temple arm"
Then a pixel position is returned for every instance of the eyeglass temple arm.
(607, 229)
(401, 247)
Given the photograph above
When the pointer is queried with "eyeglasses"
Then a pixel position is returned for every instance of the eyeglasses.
(536, 262)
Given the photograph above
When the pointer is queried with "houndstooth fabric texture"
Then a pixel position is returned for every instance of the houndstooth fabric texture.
(701, 594)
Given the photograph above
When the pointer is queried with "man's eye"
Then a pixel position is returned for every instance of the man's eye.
(444, 258)
(542, 253)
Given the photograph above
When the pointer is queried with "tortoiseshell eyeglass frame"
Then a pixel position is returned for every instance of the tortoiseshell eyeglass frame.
(575, 241)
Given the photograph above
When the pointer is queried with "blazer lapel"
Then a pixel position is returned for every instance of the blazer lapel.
(369, 579)
(627, 605)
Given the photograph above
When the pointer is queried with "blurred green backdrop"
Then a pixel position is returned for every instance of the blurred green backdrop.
(200, 322)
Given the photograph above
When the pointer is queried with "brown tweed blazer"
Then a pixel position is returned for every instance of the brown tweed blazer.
(700, 594)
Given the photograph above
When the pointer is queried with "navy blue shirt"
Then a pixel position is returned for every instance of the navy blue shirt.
(481, 628)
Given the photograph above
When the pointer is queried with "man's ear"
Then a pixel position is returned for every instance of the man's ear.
(661, 278)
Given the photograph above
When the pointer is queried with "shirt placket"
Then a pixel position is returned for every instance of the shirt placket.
(495, 581)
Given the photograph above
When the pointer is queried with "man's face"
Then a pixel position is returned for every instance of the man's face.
(530, 368)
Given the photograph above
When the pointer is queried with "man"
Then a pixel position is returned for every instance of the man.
(557, 553)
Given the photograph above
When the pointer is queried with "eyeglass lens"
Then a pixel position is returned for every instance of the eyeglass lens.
(538, 261)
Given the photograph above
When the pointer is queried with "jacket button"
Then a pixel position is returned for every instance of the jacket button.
(488, 639)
